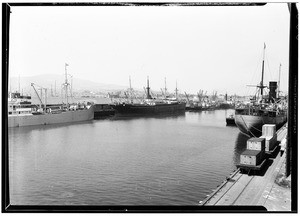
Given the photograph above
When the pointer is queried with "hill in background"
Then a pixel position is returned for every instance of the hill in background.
(55, 81)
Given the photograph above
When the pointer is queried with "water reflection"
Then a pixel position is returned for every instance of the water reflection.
(240, 146)
(161, 116)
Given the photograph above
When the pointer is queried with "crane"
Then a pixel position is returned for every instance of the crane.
(40, 99)
(187, 97)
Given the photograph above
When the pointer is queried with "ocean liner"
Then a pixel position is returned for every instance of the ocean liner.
(150, 106)
(21, 112)
(269, 109)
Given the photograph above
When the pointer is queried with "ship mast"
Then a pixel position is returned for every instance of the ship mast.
(176, 91)
(148, 89)
(66, 84)
(71, 86)
(129, 83)
(279, 81)
(261, 86)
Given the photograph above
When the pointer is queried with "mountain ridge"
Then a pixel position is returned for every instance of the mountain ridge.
(55, 81)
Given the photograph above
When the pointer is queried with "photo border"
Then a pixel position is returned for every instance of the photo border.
(292, 158)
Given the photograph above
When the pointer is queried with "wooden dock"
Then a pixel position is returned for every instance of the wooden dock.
(259, 190)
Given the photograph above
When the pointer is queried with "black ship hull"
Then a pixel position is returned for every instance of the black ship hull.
(143, 110)
(198, 108)
(194, 108)
(103, 111)
(226, 106)
(251, 125)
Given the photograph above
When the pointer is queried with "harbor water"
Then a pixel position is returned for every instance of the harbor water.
(165, 160)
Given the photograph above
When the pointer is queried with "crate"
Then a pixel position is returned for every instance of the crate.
(270, 143)
(256, 144)
(251, 157)
(269, 130)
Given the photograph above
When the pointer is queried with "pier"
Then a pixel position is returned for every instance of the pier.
(271, 189)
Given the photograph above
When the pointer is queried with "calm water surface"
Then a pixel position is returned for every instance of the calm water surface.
(138, 161)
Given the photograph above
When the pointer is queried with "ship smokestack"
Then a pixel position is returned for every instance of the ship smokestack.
(272, 93)
(148, 89)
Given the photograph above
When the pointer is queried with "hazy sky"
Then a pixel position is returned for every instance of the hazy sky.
(210, 48)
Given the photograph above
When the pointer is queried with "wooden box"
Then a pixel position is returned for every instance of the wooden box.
(270, 143)
(256, 144)
(268, 130)
(251, 157)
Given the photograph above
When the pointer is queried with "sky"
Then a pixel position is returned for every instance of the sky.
(208, 48)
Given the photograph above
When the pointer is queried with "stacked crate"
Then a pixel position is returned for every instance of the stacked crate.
(269, 130)
(269, 134)
(255, 152)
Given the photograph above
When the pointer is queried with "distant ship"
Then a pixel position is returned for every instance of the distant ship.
(202, 104)
(21, 112)
(262, 110)
(150, 106)
(195, 107)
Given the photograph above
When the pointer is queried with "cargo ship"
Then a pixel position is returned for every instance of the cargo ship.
(28, 117)
(271, 109)
(21, 112)
(150, 106)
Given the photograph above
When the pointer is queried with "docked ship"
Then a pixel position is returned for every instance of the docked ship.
(225, 104)
(269, 109)
(150, 106)
(201, 104)
(21, 112)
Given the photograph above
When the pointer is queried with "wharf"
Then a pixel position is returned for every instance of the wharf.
(270, 189)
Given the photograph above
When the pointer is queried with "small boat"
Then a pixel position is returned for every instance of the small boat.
(230, 120)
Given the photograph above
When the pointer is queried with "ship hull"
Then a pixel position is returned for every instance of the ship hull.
(226, 106)
(46, 119)
(195, 108)
(252, 125)
(141, 110)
